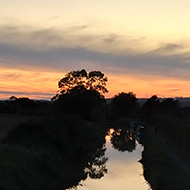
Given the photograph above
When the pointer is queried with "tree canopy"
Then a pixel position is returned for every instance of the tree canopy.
(124, 104)
(81, 93)
(94, 80)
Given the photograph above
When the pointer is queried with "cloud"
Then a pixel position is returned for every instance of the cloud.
(75, 58)
(12, 76)
(80, 36)
(70, 36)
(37, 93)
(170, 49)
(175, 90)
(77, 28)
(111, 38)
(68, 50)
(32, 83)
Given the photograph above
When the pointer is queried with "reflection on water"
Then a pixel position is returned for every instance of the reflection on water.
(97, 168)
(123, 140)
(124, 170)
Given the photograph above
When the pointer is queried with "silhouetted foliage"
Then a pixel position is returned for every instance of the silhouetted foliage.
(80, 101)
(97, 168)
(150, 106)
(124, 104)
(94, 80)
(123, 140)
(167, 116)
(13, 98)
(152, 102)
(25, 106)
(155, 105)
(81, 93)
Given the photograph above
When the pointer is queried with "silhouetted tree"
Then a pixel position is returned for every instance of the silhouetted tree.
(81, 93)
(124, 104)
(152, 102)
(80, 101)
(150, 106)
(156, 105)
(94, 80)
(13, 98)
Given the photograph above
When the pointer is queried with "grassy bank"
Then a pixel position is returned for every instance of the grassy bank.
(160, 169)
(52, 153)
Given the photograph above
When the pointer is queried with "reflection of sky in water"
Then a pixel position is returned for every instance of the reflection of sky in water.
(124, 172)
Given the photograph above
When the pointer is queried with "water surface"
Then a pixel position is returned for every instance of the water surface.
(124, 171)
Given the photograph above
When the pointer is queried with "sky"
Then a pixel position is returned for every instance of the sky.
(141, 46)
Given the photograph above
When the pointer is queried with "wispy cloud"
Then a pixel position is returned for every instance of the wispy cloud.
(37, 93)
(79, 35)
(69, 49)
(70, 36)
(171, 49)
(32, 83)
(75, 58)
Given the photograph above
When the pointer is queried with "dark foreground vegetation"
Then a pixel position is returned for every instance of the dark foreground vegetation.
(63, 141)
(166, 149)
(52, 153)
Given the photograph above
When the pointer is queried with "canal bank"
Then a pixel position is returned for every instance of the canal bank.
(161, 170)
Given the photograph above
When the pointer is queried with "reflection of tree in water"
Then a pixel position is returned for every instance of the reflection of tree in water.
(87, 160)
(97, 168)
(123, 140)
(92, 164)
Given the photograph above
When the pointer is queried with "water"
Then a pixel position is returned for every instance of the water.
(124, 170)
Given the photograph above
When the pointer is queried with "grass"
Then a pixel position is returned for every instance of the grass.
(29, 168)
(160, 170)
(49, 153)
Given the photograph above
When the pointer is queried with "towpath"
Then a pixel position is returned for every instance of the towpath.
(174, 156)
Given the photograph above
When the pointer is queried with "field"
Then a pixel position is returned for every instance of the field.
(8, 122)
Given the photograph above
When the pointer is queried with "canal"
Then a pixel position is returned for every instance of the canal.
(124, 169)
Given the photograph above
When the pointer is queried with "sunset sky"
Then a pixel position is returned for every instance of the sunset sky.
(142, 46)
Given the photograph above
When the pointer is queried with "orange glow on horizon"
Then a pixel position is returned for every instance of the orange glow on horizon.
(43, 84)
(145, 87)
(32, 84)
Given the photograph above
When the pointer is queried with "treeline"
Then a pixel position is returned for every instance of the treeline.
(165, 115)
(169, 119)
(24, 106)
(166, 143)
